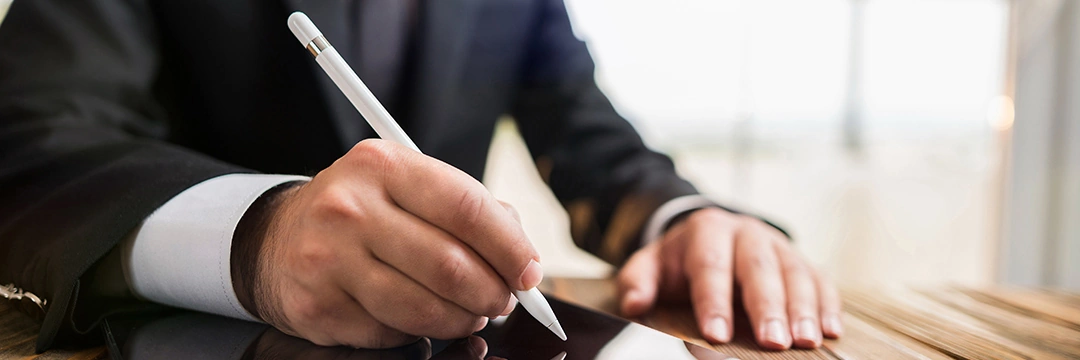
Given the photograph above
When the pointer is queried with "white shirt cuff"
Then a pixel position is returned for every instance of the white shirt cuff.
(180, 254)
(668, 211)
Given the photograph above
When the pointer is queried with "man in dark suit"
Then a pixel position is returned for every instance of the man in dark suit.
(139, 138)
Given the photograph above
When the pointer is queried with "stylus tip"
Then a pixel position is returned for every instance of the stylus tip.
(557, 329)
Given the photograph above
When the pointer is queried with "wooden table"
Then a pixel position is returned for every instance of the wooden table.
(938, 323)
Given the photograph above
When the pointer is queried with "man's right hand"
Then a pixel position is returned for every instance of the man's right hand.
(388, 244)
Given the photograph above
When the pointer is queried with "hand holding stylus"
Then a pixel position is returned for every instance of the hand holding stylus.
(385, 245)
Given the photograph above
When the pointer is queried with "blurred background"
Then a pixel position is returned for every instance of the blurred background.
(881, 133)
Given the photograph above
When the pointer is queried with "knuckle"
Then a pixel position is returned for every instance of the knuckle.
(796, 271)
(711, 261)
(452, 267)
(373, 153)
(337, 202)
(314, 257)
(471, 207)
(457, 282)
(427, 316)
(496, 303)
(369, 148)
(712, 270)
(510, 209)
(759, 262)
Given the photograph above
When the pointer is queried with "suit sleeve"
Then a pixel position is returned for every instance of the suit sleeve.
(81, 160)
(594, 161)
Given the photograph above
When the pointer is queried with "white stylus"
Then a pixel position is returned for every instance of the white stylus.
(388, 129)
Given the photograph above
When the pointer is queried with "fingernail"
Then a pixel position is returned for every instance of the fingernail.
(532, 275)
(807, 333)
(832, 326)
(776, 334)
(718, 329)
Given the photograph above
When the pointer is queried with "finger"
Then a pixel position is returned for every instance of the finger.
(452, 200)
(441, 263)
(512, 301)
(354, 327)
(510, 305)
(638, 281)
(758, 271)
(510, 209)
(335, 318)
(673, 280)
(709, 271)
(830, 307)
(403, 304)
(802, 297)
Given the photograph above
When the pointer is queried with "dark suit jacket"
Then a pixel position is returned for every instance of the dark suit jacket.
(108, 108)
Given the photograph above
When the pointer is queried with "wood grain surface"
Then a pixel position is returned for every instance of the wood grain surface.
(895, 323)
(18, 333)
(900, 323)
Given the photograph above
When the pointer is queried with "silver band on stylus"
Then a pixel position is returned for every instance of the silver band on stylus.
(317, 45)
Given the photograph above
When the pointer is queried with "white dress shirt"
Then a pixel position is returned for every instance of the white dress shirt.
(180, 255)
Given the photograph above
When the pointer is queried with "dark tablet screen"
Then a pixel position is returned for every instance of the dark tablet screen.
(590, 335)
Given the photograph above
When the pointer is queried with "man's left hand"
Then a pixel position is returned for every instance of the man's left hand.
(707, 255)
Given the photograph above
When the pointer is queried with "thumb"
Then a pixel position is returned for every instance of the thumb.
(639, 280)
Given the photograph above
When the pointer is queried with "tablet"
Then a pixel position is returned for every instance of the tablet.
(590, 335)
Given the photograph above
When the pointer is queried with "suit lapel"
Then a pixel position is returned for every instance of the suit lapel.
(445, 29)
(336, 21)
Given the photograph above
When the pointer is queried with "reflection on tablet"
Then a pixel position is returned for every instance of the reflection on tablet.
(591, 335)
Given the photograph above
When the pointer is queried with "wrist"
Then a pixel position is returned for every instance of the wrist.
(741, 218)
(671, 213)
(250, 242)
(681, 217)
